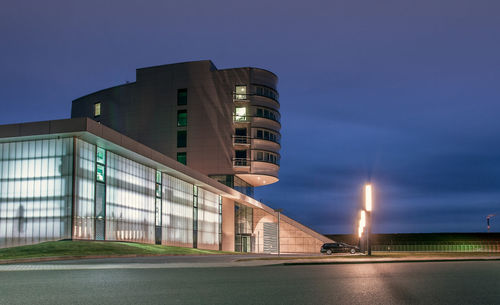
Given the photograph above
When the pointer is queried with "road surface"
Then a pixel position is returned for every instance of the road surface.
(382, 283)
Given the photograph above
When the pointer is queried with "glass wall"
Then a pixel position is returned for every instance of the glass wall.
(208, 218)
(177, 211)
(84, 190)
(243, 228)
(243, 217)
(130, 200)
(35, 191)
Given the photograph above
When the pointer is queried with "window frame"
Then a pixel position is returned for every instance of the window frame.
(97, 109)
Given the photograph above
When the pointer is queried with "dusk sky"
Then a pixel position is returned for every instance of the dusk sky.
(403, 93)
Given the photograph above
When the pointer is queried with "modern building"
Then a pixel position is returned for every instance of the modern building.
(223, 123)
(171, 159)
(78, 179)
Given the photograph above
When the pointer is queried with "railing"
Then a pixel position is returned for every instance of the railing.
(246, 96)
(269, 117)
(241, 140)
(240, 97)
(241, 162)
(271, 137)
(241, 118)
(268, 161)
(465, 247)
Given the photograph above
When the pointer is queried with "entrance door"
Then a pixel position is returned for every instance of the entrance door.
(245, 243)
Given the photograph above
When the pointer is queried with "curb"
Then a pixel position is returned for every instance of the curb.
(66, 258)
(390, 261)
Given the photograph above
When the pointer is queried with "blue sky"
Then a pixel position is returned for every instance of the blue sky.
(402, 93)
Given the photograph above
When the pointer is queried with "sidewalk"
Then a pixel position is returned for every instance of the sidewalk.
(218, 261)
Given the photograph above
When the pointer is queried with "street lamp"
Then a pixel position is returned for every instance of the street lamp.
(368, 209)
(361, 226)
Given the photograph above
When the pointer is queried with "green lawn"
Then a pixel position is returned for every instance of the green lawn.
(95, 248)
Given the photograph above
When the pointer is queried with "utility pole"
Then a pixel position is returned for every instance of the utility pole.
(488, 221)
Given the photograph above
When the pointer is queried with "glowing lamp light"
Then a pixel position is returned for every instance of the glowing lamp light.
(360, 231)
(362, 221)
(368, 197)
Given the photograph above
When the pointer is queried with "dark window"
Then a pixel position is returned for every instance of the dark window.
(259, 134)
(181, 138)
(241, 154)
(182, 118)
(241, 132)
(182, 157)
(182, 97)
(259, 112)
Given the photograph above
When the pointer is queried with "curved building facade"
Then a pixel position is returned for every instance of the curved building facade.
(224, 123)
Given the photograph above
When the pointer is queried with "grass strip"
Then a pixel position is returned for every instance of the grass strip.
(96, 248)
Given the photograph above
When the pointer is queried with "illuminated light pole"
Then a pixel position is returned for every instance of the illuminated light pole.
(368, 209)
(361, 227)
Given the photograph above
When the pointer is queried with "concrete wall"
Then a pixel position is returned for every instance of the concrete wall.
(294, 238)
(227, 224)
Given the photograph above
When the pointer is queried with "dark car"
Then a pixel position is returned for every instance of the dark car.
(330, 248)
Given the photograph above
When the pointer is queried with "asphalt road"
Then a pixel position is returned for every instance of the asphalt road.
(382, 283)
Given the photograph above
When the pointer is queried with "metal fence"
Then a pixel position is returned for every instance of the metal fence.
(466, 247)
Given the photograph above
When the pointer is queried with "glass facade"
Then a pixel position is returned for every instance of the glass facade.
(208, 218)
(177, 211)
(35, 191)
(115, 198)
(243, 217)
(243, 228)
(83, 216)
(130, 200)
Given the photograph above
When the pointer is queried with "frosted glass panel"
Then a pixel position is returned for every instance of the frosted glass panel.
(208, 217)
(177, 212)
(35, 191)
(130, 200)
(84, 190)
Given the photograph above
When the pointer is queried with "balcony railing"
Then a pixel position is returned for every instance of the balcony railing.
(240, 96)
(241, 140)
(241, 162)
(241, 118)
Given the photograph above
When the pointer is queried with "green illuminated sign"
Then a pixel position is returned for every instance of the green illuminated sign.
(100, 173)
(101, 156)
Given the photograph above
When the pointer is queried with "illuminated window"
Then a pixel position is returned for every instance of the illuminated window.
(182, 97)
(97, 109)
(240, 114)
(241, 93)
(100, 173)
(182, 118)
(182, 157)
